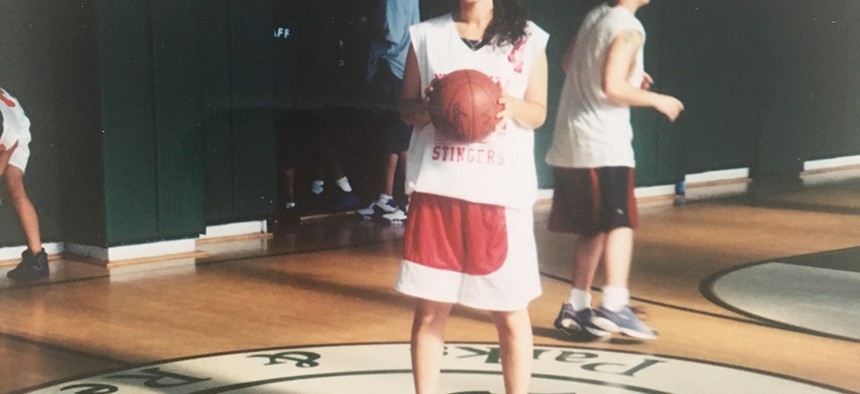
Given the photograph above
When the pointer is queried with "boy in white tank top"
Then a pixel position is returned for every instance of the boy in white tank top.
(592, 159)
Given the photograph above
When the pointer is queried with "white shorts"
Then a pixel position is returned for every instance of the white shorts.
(16, 129)
(501, 274)
(21, 154)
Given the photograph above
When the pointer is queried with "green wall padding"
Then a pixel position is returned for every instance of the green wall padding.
(178, 119)
(239, 117)
(215, 73)
(254, 138)
(128, 119)
(810, 83)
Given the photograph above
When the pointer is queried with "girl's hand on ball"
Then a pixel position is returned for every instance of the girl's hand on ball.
(509, 108)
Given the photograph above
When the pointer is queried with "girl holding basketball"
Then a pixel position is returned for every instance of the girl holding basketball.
(469, 238)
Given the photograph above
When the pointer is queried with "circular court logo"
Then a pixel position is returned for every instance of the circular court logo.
(468, 368)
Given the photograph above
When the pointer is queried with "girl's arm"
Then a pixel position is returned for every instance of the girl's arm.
(413, 108)
(531, 110)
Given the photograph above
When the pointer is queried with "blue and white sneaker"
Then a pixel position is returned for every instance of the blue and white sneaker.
(624, 321)
(571, 321)
(377, 209)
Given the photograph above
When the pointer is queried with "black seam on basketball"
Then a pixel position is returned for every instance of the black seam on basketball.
(456, 126)
(468, 135)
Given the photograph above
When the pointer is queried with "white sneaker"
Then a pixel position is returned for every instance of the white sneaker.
(396, 217)
(378, 209)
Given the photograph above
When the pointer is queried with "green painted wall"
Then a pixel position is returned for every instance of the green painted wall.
(810, 83)
(128, 120)
(255, 170)
(123, 95)
(695, 50)
(215, 28)
(767, 85)
(238, 114)
(187, 116)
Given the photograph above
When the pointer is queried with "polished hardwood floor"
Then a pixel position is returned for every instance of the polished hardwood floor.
(329, 281)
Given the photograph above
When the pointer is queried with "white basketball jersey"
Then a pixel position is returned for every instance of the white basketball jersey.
(16, 125)
(590, 131)
(499, 170)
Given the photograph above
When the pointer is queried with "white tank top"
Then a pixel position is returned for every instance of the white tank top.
(16, 125)
(590, 131)
(499, 170)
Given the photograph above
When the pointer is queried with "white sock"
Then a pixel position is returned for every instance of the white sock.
(289, 205)
(317, 186)
(579, 299)
(615, 298)
(383, 198)
(344, 184)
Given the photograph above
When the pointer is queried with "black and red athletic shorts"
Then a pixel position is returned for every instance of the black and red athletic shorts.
(588, 201)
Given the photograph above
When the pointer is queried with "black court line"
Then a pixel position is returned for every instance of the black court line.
(675, 307)
(247, 385)
(841, 260)
(706, 288)
(123, 364)
(450, 344)
(63, 349)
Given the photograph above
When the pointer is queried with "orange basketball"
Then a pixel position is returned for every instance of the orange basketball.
(464, 105)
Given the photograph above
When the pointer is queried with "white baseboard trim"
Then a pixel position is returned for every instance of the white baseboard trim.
(131, 252)
(14, 252)
(718, 176)
(234, 229)
(545, 194)
(142, 251)
(654, 191)
(832, 163)
(741, 175)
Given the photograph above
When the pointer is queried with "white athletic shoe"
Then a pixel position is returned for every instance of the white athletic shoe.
(396, 217)
(377, 209)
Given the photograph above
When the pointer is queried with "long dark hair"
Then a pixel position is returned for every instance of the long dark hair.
(509, 23)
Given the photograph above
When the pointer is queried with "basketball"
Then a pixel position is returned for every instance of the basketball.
(464, 104)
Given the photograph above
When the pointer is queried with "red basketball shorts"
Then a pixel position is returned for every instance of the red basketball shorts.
(587, 201)
(479, 255)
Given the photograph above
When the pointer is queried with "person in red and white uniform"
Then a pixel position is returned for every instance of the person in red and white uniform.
(14, 155)
(469, 239)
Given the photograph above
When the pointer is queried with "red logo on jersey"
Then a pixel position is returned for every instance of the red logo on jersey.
(9, 103)
(464, 154)
(517, 55)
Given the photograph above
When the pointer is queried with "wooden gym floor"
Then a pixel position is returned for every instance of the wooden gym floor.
(329, 281)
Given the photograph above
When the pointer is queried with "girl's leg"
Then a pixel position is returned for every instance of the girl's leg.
(516, 347)
(428, 343)
(26, 212)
